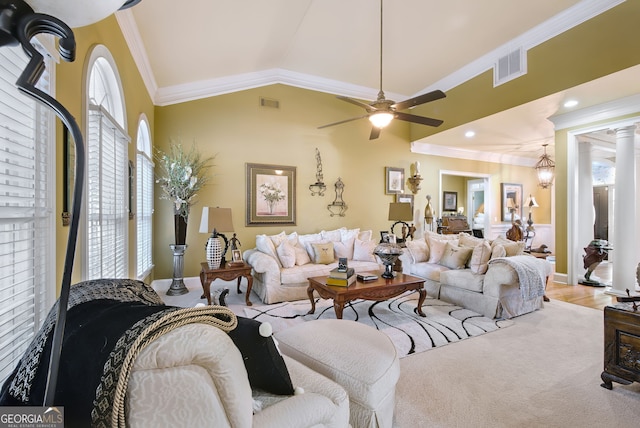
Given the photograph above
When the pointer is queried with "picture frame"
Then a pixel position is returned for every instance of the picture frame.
(394, 180)
(510, 191)
(236, 256)
(405, 198)
(449, 201)
(271, 195)
(384, 236)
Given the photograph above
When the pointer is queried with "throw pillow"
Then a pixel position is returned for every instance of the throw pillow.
(514, 249)
(265, 367)
(455, 257)
(363, 250)
(344, 248)
(467, 240)
(323, 253)
(332, 235)
(480, 258)
(302, 257)
(418, 250)
(497, 250)
(365, 235)
(306, 240)
(265, 245)
(287, 254)
(436, 249)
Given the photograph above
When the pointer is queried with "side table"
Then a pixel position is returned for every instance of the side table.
(621, 345)
(226, 273)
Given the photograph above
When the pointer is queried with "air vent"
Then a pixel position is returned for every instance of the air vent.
(510, 66)
(267, 102)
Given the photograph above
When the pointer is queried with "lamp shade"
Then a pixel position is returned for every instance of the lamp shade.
(77, 13)
(216, 218)
(400, 211)
(531, 202)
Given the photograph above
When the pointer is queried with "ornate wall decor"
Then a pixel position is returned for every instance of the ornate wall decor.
(318, 187)
(415, 178)
(338, 206)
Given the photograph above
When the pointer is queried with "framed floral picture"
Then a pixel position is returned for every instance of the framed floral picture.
(271, 195)
(394, 182)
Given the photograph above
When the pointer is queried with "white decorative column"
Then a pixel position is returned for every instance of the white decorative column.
(586, 216)
(624, 207)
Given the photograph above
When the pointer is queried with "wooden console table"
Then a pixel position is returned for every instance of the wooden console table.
(621, 345)
(226, 273)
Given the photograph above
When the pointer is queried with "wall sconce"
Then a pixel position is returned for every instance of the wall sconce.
(20, 21)
(338, 206)
(545, 168)
(415, 179)
(318, 187)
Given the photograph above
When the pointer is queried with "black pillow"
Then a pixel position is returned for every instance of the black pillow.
(264, 364)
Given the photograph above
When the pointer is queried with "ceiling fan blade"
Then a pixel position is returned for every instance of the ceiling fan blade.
(420, 99)
(375, 133)
(343, 121)
(418, 119)
(356, 102)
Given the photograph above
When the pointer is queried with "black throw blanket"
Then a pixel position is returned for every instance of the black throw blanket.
(105, 322)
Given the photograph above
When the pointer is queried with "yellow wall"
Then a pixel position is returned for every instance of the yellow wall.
(236, 130)
(70, 92)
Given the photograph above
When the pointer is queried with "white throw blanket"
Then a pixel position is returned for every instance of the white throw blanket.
(531, 274)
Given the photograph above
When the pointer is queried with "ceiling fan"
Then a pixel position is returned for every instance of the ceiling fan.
(382, 111)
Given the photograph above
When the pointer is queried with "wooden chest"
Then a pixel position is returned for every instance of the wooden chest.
(621, 345)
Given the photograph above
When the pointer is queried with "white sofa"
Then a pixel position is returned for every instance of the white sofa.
(282, 263)
(487, 280)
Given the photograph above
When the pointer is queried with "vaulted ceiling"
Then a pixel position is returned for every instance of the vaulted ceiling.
(200, 48)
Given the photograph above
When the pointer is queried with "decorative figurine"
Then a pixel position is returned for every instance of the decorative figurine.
(234, 242)
(596, 251)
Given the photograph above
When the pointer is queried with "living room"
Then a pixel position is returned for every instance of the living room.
(237, 128)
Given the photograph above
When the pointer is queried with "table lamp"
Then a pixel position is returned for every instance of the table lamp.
(531, 203)
(213, 220)
(400, 212)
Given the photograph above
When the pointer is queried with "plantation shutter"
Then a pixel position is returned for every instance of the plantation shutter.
(107, 202)
(144, 213)
(26, 217)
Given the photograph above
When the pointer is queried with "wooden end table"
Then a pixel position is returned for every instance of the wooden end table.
(378, 289)
(621, 345)
(226, 273)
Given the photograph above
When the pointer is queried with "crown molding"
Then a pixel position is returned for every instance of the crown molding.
(560, 23)
(129, 29)
(457, 153)
(604, 111)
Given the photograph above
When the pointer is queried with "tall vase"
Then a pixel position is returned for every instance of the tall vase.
(177, 286)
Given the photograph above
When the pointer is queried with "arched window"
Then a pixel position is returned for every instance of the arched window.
(144, 204)
(27, 198)
(107, 171)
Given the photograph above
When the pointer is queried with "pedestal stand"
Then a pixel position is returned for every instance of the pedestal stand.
(177, 285)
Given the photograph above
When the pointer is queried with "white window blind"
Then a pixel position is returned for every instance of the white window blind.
(107, 202)
(144, 205)
(27, 230)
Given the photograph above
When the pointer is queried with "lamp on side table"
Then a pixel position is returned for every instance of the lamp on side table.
(213, 220)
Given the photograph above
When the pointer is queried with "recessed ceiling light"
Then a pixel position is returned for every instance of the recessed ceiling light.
(571, 103)
(469, 134)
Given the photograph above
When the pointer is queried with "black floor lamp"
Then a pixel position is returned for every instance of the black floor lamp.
(20, 21)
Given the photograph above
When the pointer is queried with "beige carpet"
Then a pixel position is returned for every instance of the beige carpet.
(544, 371)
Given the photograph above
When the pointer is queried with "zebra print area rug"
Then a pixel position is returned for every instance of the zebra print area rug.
(445, 323)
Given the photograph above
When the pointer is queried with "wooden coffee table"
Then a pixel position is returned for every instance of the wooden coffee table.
(379, 289)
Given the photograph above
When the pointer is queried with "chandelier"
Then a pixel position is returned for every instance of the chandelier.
(545, 168)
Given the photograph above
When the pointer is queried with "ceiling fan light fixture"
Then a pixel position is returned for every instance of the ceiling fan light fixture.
(381, 119)
(545, 168)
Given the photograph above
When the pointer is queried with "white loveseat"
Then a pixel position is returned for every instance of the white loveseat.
(282, 263)
(481, 275)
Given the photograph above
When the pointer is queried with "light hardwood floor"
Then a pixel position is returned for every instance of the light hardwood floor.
(584, 295)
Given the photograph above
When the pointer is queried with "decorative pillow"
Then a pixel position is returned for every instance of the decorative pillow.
(480, 258)
(302, 257)
(363, 250)
(365, 235)
(287, 254)
(346, 234)
(323, 253)
(332, 235)
(306, 240)
(418, 250)
(265, 245)
(265, 367)
(514, 249)
(436, 249)
(497, 250)
(277, 239)
(467, 240)
(344, 248)
(455, 257)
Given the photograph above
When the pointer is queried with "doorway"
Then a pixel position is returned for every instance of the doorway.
(476, 202)
(601, 211)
